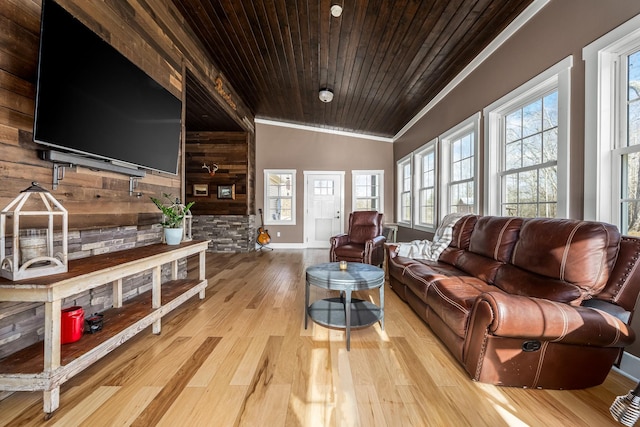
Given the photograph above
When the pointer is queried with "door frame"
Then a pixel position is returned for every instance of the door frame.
(306, 174)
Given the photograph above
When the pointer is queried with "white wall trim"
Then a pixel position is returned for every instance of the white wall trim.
(357, 172)
(417, 171)
(406, 159)
(600, 57)
(468, 125)
(285, 245)
(513, 28)
(322, 130)
(294, 197)
(629, 366)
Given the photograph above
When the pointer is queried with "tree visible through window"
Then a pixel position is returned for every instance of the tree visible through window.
(368, 190)
(530, 152)
(630, 126)
(425, 163)
(462, 184)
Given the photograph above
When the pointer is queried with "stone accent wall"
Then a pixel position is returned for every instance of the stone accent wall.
(227, 233)
(22, 324)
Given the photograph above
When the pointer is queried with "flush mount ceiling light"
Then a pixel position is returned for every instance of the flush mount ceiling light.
(325, 95)
(336, 10)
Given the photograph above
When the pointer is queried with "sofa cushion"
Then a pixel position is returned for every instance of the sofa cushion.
(462, 231)
(419, 275)
(478, 266)
(495, 237)
(578, 252)
(450, 255)
(516, 281)
(490, 246)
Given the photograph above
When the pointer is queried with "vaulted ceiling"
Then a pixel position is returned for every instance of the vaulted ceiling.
(383, 60)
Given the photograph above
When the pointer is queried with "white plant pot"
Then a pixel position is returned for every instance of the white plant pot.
(173, 236)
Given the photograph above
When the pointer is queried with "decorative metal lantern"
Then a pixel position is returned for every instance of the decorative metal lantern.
(32, 249)
(187, 222)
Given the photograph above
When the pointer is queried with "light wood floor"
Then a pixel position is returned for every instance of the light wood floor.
(242, 357)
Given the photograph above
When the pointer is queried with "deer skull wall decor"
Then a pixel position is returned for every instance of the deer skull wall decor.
(212, 170)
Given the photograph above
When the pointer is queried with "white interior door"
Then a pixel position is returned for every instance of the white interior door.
(324, 207)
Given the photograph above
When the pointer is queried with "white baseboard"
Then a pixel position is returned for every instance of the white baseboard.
(629, 366)
(284, 246)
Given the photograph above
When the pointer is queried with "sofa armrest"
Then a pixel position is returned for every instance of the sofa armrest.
(376, 241)
(524, 317)
(339, 240)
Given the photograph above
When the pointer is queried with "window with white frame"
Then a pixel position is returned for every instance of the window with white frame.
(459, 186)
(612, 128)
(280, 196)
(404, 181)
(425, 160)
(628, 151)
(368, 190)
(527, 142)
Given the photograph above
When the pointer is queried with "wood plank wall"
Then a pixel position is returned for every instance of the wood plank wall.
(153, 35)
(229, 150)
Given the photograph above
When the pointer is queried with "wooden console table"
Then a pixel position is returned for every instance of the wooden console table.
(46, 365)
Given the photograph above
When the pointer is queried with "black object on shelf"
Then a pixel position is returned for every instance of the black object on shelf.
(93, 324)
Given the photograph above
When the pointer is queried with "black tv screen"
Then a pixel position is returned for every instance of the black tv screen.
(92, 100)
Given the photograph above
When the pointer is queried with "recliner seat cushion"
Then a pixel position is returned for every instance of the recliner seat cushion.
(350, 250)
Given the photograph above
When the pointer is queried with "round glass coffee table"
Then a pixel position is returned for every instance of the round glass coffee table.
(343, 311)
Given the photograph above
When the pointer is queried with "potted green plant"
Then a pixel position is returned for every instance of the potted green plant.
(173, 213)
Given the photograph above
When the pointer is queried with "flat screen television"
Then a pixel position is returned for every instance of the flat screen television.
(91, 100)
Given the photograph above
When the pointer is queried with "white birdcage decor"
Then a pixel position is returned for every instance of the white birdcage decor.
(27, 248)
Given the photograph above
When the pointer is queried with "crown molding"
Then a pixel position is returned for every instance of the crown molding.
(322, 130)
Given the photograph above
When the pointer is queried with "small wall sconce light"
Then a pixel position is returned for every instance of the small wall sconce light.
(211, 169)
(336, 10)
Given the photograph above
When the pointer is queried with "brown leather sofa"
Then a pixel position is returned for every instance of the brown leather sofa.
(540, 303)
(364, 241)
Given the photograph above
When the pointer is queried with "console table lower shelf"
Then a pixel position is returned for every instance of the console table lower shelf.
(331, 312)
(23, 370)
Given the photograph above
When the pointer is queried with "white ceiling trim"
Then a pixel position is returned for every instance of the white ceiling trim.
(511, 29)
(322, 130)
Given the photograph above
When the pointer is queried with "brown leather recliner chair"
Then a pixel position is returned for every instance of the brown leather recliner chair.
(363, 243)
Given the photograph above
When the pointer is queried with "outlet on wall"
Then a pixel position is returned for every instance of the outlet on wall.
(277, 234)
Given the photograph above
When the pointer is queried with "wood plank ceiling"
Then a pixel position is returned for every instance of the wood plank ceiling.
(384, 60)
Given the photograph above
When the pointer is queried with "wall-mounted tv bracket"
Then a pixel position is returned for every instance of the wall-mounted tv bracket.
(58, 173)
(61, 161)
